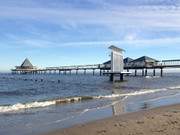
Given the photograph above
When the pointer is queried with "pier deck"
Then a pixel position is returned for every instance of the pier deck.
(102, 68)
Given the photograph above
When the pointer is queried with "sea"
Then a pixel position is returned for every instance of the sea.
(42, 103)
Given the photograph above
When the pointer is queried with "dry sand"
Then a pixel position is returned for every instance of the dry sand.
(158, 121)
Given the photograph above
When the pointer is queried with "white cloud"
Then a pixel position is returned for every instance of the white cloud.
(124, 16)
(163, 42)
(113, 16)
(130, 37)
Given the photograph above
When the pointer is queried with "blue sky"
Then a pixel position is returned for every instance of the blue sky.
(68, 32)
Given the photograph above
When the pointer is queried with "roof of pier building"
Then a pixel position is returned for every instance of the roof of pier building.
(26, 65)
(107, 62)
(127, 60)
(145, 59)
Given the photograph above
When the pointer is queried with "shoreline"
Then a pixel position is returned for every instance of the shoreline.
(163, 120)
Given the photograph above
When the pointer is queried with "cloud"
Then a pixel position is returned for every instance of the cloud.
(121, 15)
(143, 43)
(163, 42)
(116, 15)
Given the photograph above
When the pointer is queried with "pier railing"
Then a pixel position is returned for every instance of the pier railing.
(169, 63)
(102, 67)
(77, 67)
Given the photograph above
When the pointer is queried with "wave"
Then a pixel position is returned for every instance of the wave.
(39, 104)
(151, 77)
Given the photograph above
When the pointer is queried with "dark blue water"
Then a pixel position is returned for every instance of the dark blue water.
(34, 104)
(29, 88)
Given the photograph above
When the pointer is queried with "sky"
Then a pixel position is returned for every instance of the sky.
(73, 32)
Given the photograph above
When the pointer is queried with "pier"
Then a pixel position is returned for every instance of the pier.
(101, 68)
(116, 66)
(160, 65)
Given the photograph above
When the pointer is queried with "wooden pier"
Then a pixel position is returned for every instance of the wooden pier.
(117, 66)
(164, 64)
(83, 69)
(102, 69)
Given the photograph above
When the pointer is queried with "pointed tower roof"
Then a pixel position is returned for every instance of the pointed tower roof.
(27, 63)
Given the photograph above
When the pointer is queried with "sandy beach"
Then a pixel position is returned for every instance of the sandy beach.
(158, 121)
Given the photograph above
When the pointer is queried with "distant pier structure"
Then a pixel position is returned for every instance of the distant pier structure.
(25, 68)
(117, 63)
(117, 66)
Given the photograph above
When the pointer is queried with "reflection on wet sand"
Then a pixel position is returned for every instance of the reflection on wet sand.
(118, 108)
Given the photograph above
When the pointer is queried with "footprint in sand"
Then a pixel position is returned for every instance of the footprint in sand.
(140, 122)
(118, 125)
(102, 132)
(167, 115)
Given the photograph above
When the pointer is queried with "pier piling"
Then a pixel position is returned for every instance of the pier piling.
(76, 71)
(100, 72)
(93, 71)
(143, 72)
(161, 72)
(154, 72)
(84, 71)
(111, 77)
(135, 72)
(121, 77)
(146, 72)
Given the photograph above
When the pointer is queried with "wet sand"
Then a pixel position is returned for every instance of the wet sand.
(159, 121)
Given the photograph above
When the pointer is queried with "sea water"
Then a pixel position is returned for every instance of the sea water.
(35, 104)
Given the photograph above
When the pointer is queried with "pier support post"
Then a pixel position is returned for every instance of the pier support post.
(100, 72)
(128, 71)
(143, 72)
(65, 72)
(70, 72)
(103, 72)
(135, 72)
(121, 77)
(111, 77)
(161, 72)
(154, 72)
(93, 71)
(76, 71)
(107, 72)
(84, 71)
(146, 72)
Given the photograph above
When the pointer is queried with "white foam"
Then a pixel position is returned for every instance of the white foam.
(136, 93)
(150, 77)
(19, 106)
(38, 104)
(175, 87)
(141, 92)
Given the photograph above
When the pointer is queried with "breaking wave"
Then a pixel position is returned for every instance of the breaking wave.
(39, 104)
